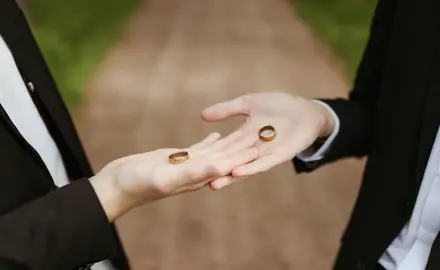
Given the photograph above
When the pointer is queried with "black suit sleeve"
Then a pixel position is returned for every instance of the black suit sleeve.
(356, 113)
(64, 229)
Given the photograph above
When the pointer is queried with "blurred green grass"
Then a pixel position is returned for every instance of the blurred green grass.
(74, 36)
(343, 24)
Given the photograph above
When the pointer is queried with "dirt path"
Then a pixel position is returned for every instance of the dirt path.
(179, 56)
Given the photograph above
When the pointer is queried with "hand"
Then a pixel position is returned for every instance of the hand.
(298, 123)
(134, 180)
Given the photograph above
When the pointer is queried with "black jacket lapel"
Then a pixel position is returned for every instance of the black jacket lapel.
(18, 36)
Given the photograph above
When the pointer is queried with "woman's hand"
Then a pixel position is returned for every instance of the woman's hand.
(134, 180)
(298, 123)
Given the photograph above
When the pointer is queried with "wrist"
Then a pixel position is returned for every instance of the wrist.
(110, 197)
(328, 122)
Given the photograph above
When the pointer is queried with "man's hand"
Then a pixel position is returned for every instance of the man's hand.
(298, 123)
(134, 180)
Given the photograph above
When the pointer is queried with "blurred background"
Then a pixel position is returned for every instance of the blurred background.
(136, 74)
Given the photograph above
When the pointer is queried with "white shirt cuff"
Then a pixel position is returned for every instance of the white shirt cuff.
(312, 154)
(103, 265)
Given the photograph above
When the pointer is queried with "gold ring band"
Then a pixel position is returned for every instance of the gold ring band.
(267, 133)
(179, 157)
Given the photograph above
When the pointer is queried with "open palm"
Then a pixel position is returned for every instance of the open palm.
(298, 123)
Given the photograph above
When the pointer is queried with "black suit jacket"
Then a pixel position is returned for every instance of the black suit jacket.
(392, 116)
(41, 226)
(7, 264)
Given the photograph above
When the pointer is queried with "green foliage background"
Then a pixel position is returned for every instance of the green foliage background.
(343, 24)
(74, 36)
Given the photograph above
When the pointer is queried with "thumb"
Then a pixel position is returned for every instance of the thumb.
(225, 110)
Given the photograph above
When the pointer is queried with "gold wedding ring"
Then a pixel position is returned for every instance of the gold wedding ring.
(179, 157)
(267, 133)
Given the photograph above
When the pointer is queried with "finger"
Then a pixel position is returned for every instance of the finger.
(207, 141)
(249, 139)
(226, 141)
(273, 154)
(206, 169)
(225, 110)
(258, 166)
(224, 182)
(236, 159)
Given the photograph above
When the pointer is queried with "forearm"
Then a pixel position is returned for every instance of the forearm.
(63, 229)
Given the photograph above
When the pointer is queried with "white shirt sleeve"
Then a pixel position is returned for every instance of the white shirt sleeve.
(103, 265)
(312, 154)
